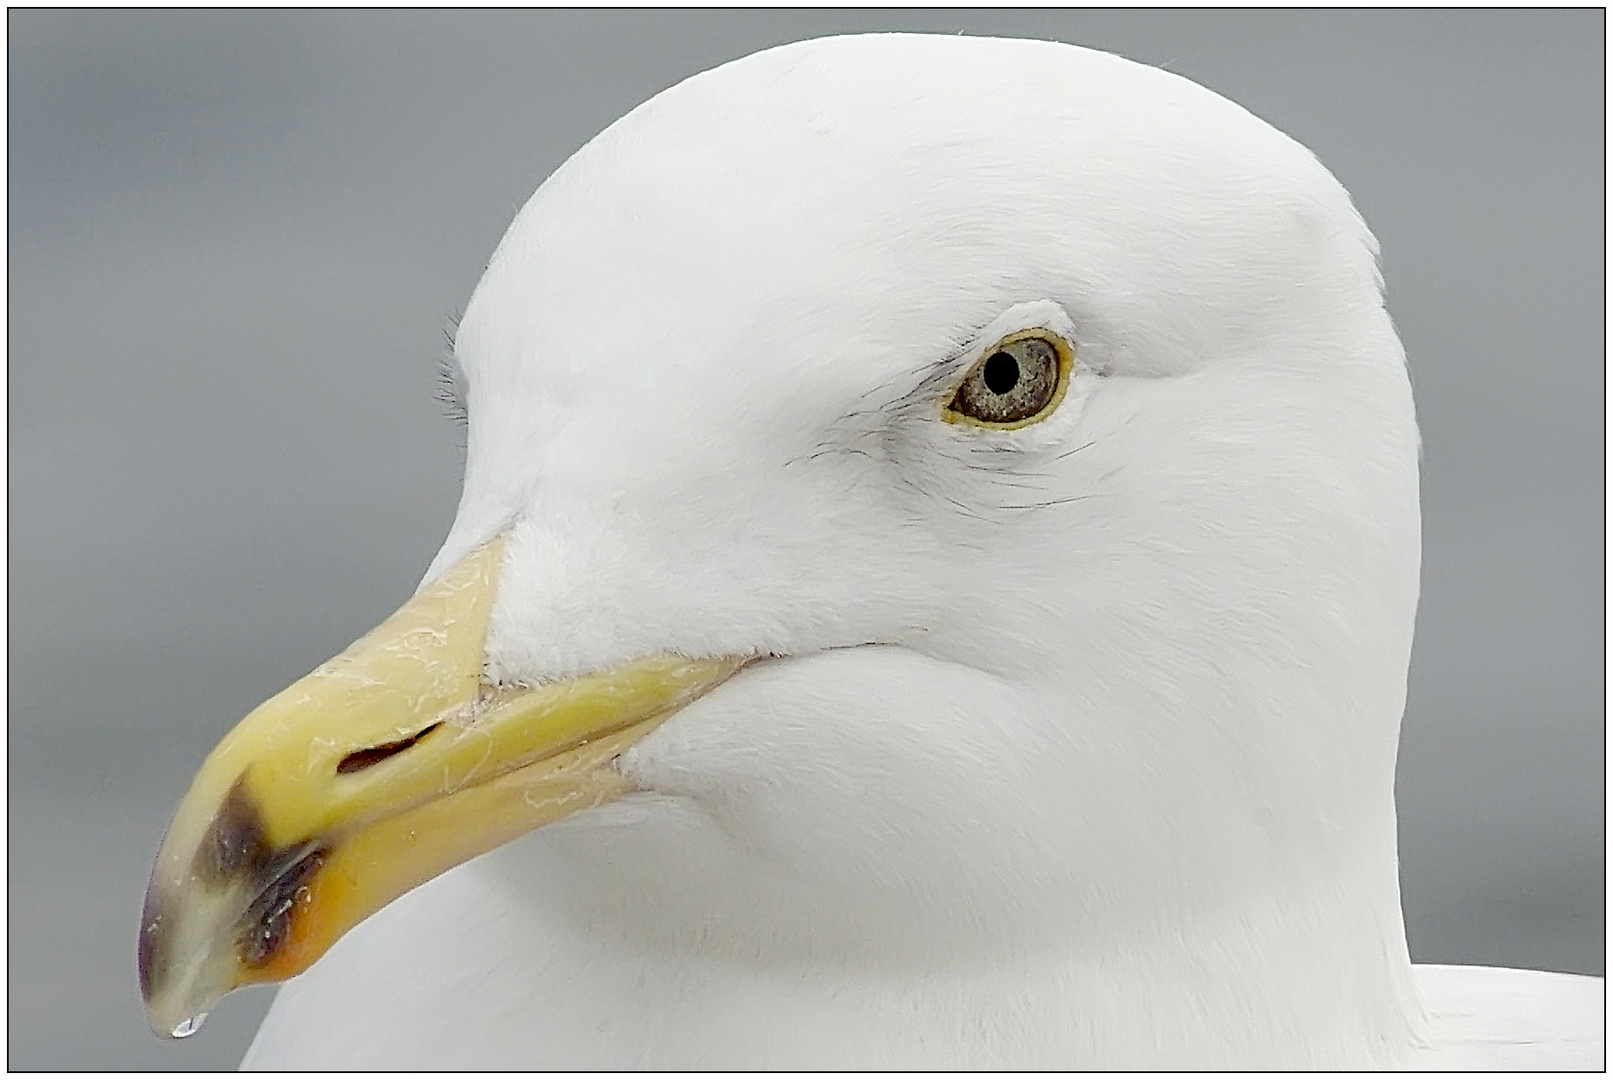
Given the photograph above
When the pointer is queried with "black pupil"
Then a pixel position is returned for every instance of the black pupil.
(1001, 373)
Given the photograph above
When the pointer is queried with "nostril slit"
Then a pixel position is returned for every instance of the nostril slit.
(374, 755)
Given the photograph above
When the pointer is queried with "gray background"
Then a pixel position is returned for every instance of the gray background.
(237, 239)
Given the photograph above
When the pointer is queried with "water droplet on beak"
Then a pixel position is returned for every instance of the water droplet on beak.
(189, 1026)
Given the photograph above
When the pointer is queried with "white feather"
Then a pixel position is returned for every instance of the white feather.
(1080, 752)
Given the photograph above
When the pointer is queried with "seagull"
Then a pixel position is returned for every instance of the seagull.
(933, 588)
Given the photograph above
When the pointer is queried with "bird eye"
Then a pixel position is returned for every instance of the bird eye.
(1017, 382)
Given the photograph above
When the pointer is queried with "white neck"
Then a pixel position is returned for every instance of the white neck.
(1311, 975)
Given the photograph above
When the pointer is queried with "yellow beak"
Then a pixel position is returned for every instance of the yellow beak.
(386, 766)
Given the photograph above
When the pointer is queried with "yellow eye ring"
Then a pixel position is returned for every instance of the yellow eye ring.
(1017, 382)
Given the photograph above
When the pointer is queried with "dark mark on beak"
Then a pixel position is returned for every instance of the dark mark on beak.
(266, 924)
(234, 848)
(235, 844)
(235, 853)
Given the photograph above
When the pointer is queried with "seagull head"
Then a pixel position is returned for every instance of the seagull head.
(926, 499)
